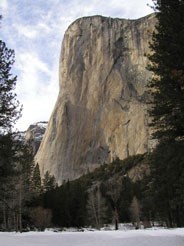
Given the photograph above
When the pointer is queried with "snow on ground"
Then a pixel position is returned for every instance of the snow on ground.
(161, 237)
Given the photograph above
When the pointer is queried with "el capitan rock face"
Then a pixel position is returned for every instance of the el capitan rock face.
(101, 110)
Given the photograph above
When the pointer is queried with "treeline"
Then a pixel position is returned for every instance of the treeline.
(20, 190)
(104, 196)
(123, 191)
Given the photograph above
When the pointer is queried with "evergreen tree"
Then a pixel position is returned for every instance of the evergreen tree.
(49, 182)
(16, 160)
(167, 111)
(25, 164)
(9, 113)
(36, 180)
(167, 64)
(9, 110)
(168, 182)
(15, 183)
(9, 105)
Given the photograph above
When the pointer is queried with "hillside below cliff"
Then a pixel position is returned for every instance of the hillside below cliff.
(101, 110)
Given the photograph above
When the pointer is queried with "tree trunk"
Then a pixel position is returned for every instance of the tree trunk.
(178, 220)
(170, 223)
(116, 219)
(4, 217)
(20, 208)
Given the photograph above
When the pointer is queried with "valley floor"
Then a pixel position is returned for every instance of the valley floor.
(159, 237)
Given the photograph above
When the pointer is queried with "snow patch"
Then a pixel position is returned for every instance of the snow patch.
(159, 237)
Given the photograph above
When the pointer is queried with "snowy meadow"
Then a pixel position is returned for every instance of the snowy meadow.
(159, 237)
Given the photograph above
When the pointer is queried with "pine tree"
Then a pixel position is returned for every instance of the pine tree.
(168, 182)
(36, 180)
(49, 182)
(167, 112)
(167, 64)
(9, 110)
(9, 105)
(25, 164)
(12, 150)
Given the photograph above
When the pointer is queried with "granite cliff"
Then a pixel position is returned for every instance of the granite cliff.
(34, 134)
(101, 110)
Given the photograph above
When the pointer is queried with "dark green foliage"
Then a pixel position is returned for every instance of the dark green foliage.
(167, 112)
(168, 182)
(9, 111)
(69, 202)
(147, 201)
(105, 172)
(36, 180)
(6, 155)
(15, 182)
(127, 193)
(11, 154)
(49, 182)
(167, 63)
(9, 105)
(10, 147)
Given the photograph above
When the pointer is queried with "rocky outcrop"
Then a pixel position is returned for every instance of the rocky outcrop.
(101, 110)
(34, 134)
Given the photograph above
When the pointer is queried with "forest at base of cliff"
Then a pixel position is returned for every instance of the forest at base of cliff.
(115, 193)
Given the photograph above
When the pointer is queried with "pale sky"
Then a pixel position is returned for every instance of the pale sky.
(35, 29)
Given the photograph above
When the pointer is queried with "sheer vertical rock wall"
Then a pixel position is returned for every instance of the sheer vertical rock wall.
(101, 110)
